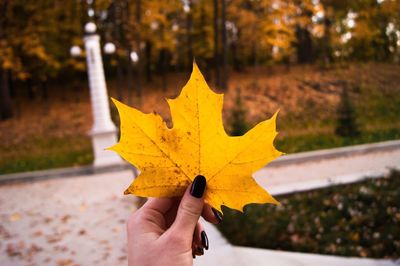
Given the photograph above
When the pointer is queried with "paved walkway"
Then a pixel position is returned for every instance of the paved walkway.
(81, 220)
(65, 222)
(284, 178)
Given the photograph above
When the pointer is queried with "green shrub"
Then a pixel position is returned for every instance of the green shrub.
(361, 219)
(238, 123)
(346, 119)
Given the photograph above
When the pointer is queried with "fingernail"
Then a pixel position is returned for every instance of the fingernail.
(200, 251)
(204, 239)
(217, 215)
(198, 186)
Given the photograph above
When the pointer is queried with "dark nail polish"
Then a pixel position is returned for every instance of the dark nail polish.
(217, 215)
(198, 186)
(204, 239)
(200, 251)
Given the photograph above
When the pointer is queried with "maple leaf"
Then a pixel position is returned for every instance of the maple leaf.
(170, 158)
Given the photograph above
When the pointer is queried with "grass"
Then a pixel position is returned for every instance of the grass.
(361, 219)
(309, 142)
(40, 138)
(44, 153)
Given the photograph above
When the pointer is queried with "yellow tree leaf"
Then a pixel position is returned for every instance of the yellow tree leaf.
(170, 158)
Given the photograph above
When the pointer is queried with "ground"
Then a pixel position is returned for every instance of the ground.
(358, 220)
(65, 222)
(54, 133)
(81, 220)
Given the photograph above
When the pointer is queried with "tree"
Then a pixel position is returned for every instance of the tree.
(238, 123)
(217, 58)
(6, 111)
(346, 125)
(224, 52)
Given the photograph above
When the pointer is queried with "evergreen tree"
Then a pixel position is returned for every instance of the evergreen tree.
(238, 123)
(346, 125)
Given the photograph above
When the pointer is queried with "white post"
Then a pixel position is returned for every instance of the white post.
(103, 132)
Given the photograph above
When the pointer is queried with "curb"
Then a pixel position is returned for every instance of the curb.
(258, 257)
(296, 158)
(304, 157)
(63, 172)
(328, 182)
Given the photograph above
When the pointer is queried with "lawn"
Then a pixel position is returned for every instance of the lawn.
(361, 219)
(45, 153)
(55, 133)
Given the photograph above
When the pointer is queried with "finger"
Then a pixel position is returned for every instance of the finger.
(196, 239)
(197, 235)
(200, 238)
(211, 215)
(171, 213)
(190, 209)
(199, 251)
(161, 205)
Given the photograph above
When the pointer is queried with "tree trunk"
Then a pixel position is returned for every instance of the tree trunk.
(189, 26)
(45, 90)
(237, 66)
(304, 46)
(6, 110)
(216, 45)
(224, 79)
(119, 80)
(326, 50)
(163, 68)
(255, 64)
(148, 61)
(139, 51)
(129, 77)
(45, 96)
(205, 62)
(30, 89)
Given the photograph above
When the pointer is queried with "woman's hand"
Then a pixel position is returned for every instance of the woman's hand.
(166, 231)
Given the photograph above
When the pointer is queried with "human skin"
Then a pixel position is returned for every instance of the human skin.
(167, 231)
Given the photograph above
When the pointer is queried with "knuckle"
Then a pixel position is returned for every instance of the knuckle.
(190, 209)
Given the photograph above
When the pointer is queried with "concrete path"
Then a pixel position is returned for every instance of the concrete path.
(301, 173)
(262, 257)
(65, 222)
(81, 220)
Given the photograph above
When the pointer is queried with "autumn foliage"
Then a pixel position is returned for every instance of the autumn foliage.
(170, 158)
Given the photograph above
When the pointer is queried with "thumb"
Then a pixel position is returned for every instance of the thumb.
(190, 209)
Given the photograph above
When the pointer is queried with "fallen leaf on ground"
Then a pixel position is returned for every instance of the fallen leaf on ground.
(65, 262)
(65, 218)
(15, 249)
(15, 217)
(48, 220)
(37, 233)
(82, 207)
(197, 144)
(4, 233)
(33, 250)
(53, 238)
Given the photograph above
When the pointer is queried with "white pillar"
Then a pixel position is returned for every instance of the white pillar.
(103, 132)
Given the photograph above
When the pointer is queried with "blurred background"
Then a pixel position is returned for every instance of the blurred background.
(332, 67)
(324, 64)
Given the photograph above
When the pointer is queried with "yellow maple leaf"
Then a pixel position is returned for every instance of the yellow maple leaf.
(170, 158)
